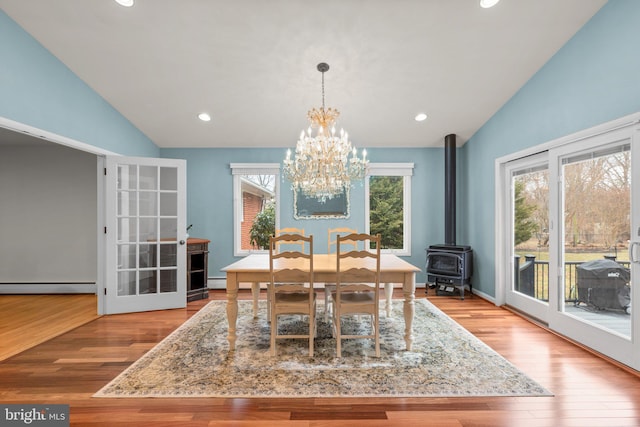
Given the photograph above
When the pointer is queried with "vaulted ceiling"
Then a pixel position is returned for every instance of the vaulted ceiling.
(251, 64)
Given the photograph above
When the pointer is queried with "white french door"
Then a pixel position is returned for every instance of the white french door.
(568, 247)
(144, 251)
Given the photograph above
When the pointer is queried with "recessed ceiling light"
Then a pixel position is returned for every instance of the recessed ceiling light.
(421, 117)
(204, 117)
(488, 3)
(125, 3)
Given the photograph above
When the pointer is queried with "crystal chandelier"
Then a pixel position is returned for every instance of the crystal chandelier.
(325, 164)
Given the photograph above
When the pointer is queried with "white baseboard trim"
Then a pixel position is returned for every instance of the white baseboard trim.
(484, 296)
(216, 282)
(47, 288)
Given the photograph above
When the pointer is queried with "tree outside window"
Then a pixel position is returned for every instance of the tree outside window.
(388, 205)
(386, 215)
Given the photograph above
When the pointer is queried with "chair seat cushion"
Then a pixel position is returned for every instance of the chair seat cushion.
(293, 297)
(355, 297)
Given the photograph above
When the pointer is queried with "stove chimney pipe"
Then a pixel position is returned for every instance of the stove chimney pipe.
(450, 189)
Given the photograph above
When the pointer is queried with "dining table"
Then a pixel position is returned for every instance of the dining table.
(254, 269)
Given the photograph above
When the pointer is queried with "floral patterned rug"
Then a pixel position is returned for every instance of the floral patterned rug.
(445, 361)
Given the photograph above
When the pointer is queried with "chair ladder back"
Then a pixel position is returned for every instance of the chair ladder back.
(357, 286)
(332, 238)
(290, 231)
(291, 288)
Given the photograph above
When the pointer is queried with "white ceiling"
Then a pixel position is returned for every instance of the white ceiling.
(252, 63)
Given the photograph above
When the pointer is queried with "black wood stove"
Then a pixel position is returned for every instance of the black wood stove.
(449, 266)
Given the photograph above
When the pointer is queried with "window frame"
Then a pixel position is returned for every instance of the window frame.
(241, 169)
(405, 170)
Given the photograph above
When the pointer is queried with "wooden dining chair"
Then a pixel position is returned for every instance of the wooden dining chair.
(291, 286)
(332, 238)
(290, 230)
(357, 287)
(255, 287)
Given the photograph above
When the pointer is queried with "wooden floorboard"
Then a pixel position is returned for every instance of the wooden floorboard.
(70, 368)
(28, 320)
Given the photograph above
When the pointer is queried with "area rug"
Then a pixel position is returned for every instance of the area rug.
(446, 360)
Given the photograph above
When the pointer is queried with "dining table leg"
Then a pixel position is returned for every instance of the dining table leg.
(409, 291)
(388, 295)
(232, 308)
(255, 292)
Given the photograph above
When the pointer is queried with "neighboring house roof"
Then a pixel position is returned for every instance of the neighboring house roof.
(254, 188)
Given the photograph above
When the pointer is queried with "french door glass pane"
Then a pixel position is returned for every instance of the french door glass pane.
(168, 280)
(148, 229)
(127, 229)
(169, 178)
(168, 204)
(126, 256)
(127, 177)
(127, 203)
(597, 206)
(148, 178)
(148, 203)
(147, 256)
(168, 255)
(148, 282)
(169, 229)
(126, 283)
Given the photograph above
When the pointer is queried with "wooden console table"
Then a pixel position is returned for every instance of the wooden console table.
(197, 268)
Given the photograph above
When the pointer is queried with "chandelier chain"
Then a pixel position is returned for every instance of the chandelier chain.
(322, 90)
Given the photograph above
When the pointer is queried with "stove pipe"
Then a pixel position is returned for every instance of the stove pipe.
(450, 189)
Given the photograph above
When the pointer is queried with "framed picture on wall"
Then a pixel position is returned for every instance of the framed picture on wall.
(305, 207)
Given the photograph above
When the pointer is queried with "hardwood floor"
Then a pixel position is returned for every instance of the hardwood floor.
(68, 369)
(28, 320)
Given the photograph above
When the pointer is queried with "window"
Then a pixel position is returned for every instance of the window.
(388, 205)
(256, 210)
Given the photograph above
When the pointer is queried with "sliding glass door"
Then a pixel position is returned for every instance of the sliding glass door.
(568, 250)
(528, 235)
(595, 278)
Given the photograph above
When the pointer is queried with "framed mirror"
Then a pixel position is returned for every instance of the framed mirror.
(305, 207)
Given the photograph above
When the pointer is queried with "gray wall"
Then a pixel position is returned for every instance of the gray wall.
(47, 214)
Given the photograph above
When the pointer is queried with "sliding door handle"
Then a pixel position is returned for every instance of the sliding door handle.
(632, 252)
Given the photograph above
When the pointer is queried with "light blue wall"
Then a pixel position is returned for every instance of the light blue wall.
(38, 90)
(594, 78)
(210, 198)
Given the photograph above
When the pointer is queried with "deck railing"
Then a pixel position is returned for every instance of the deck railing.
(532, 277)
